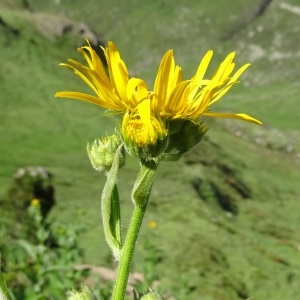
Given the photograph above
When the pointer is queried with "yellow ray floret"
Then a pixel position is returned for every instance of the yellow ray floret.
(171, 98)
(174, 98)
(114, 89)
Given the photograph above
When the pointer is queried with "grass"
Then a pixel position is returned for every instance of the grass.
(208, 252)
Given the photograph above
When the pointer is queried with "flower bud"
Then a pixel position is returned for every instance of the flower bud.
(148, 295)
(84, 294)
(101, 153)
(151, 296)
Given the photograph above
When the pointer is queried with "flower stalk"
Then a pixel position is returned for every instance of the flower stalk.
(127, 253)
(4, 292)
(140, 197)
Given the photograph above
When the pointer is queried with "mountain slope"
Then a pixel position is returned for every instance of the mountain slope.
(227, 212)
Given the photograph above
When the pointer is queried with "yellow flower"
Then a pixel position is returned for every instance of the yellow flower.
(114, 90)
(152, 224)
(35, 202)
(146, 114)
(174, 98)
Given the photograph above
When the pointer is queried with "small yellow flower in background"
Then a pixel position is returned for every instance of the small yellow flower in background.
(35, 202)
(152, 224)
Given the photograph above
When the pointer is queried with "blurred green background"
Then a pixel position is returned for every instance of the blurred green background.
(228, 212)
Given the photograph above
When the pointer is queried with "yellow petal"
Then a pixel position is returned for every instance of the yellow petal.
(117, 69)
(163, 78)
(177, 100)
(95, 64)
(240, 116)
(137, 89)
(239, 72)
(81, 75)
(230, 83)
(219, 74)
(88, 98)
(203, 67)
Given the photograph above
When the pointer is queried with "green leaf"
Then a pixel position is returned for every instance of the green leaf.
(4, 292)
(110, 207)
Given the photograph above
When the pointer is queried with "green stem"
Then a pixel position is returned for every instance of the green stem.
(127, 253)
(4, 293)
(140, 196)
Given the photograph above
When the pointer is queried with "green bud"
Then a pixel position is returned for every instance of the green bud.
(150, 295)
(84, 294)
(101, 153)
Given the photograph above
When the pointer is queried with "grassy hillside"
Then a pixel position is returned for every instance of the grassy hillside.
(227, 213)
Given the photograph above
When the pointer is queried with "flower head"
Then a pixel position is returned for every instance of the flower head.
(35, 202)
(149, 116)
(152, 224)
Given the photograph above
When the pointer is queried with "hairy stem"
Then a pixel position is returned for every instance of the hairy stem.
(140, 196)
(127, 253)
